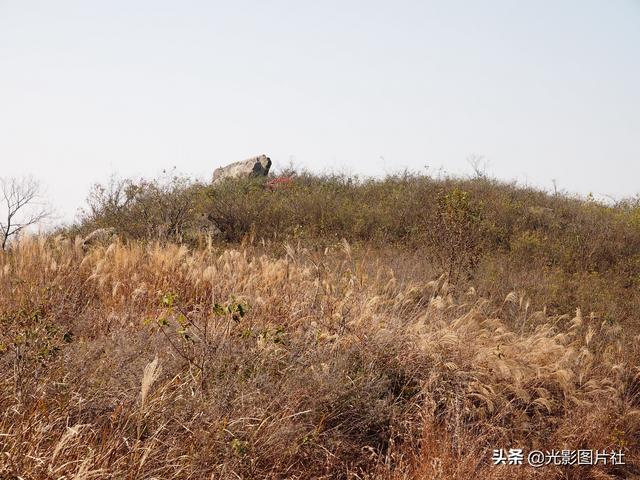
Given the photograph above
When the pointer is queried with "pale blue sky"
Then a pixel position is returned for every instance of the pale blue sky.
(542, 89)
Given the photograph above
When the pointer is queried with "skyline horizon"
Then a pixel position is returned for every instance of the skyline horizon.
(59, 218)
(543, 90)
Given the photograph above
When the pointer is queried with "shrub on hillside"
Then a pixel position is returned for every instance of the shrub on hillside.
(165, 208)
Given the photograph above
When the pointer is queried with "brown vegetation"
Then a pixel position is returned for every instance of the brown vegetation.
(458, 317)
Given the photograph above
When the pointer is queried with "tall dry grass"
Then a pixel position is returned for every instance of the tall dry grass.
(156, 361)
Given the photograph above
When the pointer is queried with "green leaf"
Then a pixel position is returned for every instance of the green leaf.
(218, 309)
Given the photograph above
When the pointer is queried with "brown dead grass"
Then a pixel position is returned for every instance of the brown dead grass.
(139, 361)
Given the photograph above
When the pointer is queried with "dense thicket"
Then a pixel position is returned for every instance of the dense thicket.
(563, 250)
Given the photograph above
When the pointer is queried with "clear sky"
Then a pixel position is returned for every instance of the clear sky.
(544, 89)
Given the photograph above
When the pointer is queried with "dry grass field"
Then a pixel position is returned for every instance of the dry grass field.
(319, 357)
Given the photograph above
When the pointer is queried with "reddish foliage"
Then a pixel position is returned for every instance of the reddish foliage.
(280, 182)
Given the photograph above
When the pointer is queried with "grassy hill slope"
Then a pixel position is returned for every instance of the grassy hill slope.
(398, 329)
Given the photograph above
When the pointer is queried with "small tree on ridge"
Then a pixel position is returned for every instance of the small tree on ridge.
(20, 207)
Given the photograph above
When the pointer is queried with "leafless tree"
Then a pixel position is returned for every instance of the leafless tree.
(479, 165)
(21, 206)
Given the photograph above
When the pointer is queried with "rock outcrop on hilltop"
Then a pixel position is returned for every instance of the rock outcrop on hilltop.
(252, 167)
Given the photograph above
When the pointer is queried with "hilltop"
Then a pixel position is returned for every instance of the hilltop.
(401, 328)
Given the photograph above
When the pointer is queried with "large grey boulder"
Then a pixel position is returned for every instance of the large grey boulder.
(252, 167)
